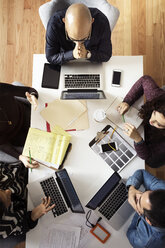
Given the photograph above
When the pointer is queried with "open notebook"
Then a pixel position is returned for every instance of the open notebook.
(48, 148)
(131, 116)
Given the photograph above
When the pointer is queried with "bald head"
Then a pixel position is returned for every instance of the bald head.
(78, 21)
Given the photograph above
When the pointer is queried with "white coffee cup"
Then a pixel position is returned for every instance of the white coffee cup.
(99, 115)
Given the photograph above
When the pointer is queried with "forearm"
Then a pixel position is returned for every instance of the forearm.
(142, 177)
(145, 85)
(9, 89)
(59, 58)
(28, 222)
(100, 56)
(10, 150)
(135, 92)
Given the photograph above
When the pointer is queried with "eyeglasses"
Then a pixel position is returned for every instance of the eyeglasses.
(82, 40)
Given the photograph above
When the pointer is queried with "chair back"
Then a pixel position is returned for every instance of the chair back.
(47, 10)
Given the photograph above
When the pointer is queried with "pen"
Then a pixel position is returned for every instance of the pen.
(123, 118)
(30, 158)
(113, 132)
(112, 147)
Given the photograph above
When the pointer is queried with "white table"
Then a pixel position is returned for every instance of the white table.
(87, 170)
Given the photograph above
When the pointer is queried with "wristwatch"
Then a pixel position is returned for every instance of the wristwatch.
(88, 54)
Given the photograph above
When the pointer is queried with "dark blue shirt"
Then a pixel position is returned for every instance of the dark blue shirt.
(60, 50)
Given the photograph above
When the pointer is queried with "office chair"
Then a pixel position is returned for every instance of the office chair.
(46, 10)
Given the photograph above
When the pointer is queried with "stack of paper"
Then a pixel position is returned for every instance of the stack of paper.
(69, 114)
(131, 116)
(49, 147)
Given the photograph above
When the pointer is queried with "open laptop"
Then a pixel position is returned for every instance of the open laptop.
(82, 80)
(61, 191)
(111, 202)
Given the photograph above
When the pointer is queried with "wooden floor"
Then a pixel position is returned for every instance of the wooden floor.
(139, 31)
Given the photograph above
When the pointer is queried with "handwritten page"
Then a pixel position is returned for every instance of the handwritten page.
(60, 236)
(131, 116)
(46, 146)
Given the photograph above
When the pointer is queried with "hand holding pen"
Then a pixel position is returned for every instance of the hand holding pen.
(122, 108)
(26, 161)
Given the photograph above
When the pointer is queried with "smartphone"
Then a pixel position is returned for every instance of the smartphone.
(109, 147)
(116, 78)
(100, 233)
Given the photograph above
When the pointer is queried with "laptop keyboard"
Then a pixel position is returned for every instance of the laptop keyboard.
(114, 201)
(82, 81)
(82, 95)
(50, 188)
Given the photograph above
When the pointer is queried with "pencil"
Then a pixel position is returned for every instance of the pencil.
(30, 158)
(123, 118)
(112, 147)
(113, 132)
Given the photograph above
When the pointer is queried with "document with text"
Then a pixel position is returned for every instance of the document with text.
(60, 236)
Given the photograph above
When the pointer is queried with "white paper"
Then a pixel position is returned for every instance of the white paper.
(131, 116)
(60, 236)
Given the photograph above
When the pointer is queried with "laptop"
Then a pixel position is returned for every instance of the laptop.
(82, 80)
(61, 191)
(111, 202)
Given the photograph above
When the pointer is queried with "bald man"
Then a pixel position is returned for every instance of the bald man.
(78, 33)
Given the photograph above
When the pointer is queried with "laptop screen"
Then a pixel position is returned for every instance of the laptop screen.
(104, 191)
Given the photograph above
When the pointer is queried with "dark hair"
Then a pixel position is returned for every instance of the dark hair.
(2, 208)
(156, 214)
(157, 104)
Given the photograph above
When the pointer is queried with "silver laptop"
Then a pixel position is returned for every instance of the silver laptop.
(61, 191)
(111, 202)
(82, 80)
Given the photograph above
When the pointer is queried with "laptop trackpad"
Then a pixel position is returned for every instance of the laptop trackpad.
(121, 216)
(125, 211)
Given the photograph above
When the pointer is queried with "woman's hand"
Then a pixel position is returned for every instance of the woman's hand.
(26, 161)
(42, 209)
(32, 99)
(132, 132)
(122, 108)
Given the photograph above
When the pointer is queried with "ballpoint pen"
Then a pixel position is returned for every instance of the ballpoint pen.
(30, 158)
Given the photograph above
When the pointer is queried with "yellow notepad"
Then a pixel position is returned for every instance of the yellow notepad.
(47, 147)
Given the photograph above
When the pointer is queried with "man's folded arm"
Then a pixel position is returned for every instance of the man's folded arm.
(104, 51)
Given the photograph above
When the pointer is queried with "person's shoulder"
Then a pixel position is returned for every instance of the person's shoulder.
(57, 17)
(96, 13)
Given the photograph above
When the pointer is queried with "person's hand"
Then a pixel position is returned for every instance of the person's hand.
(26, 161)
(42, 209)
(32, 99)
(79, 51)
(132, 197)
(122, 108)
(132, 132)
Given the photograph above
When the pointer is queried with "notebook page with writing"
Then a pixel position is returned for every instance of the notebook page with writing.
(130, 117)
(48, 147)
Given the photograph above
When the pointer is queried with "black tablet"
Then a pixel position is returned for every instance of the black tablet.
(51, 76)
